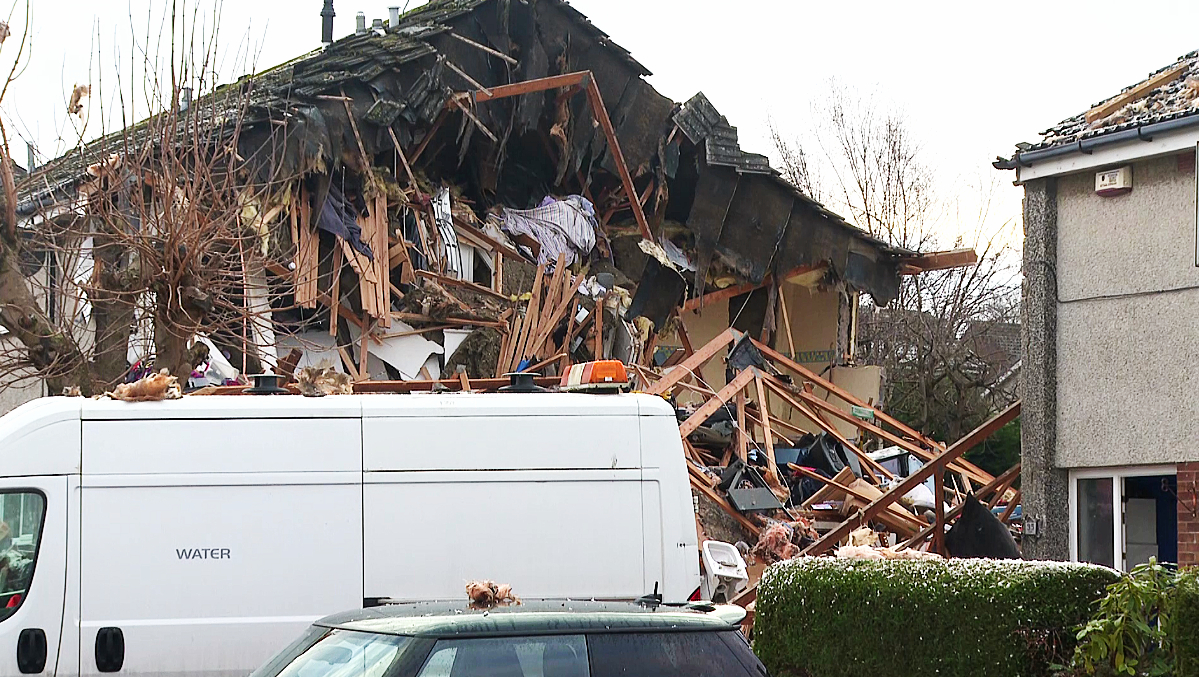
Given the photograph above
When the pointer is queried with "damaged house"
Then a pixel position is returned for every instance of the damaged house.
(471, 189)
(452, 192)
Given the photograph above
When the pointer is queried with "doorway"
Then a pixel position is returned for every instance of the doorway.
(1120, 517)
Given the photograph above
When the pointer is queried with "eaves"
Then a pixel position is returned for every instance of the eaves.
(1140, 143)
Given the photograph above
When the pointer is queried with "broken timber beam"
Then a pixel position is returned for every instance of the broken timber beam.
(956, 258)
(722, 398)
(1137, 91)
(936, 465)
(739, 289)
(923, 454)
(585, 80)
(695, 362)
(900, 515)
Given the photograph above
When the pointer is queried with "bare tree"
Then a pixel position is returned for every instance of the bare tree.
(165, 240)
(943, 340)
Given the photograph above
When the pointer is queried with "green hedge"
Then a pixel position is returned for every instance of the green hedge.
(825, 617)
(1186, 623)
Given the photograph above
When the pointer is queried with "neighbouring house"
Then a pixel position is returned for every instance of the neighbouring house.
(1110, 366)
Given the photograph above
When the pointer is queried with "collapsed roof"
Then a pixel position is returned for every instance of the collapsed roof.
(733, 210)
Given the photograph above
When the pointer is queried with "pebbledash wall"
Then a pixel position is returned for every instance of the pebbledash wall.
(1110, 376)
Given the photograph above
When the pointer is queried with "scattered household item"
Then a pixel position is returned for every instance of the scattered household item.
(565, 226)
(725, 571)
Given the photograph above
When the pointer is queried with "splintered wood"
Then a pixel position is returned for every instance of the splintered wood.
(374, 273)
(758, 398)
(307, 243)
(531, 334)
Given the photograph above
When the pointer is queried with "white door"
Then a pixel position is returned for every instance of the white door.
(33, 559)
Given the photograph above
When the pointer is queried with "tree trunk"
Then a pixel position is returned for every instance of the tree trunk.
(113, 309)
(52, 352)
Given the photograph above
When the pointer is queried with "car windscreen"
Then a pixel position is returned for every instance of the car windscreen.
(323, 652)
(662, 654)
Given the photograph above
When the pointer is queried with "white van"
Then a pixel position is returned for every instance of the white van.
(198, 536)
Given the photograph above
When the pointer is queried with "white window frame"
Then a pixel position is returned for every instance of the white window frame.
(1117, 475)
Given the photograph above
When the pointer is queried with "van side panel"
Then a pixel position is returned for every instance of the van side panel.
(234, 537)
(564, 533)
(550, 504)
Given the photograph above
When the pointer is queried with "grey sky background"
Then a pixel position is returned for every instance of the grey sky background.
(971, 78)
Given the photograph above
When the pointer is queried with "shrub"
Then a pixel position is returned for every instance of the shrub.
(1186, 623)
(825, 617)
(1131, 632)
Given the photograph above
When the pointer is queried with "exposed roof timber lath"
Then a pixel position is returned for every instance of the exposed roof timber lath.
(954, 258)
(1163, 102)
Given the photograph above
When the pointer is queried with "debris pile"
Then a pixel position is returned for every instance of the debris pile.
(767, 450)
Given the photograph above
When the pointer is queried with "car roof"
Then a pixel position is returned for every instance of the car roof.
(539, 617)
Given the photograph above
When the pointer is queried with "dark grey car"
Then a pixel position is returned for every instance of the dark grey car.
(536, 639)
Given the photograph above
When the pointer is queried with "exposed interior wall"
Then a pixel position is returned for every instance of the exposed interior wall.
(1127, 286)
(865, 383)
(814, 315)
(702, 326)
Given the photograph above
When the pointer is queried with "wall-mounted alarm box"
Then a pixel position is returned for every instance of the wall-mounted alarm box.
(1113, 181)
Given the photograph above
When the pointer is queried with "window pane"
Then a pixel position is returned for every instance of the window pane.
(20, 529)
(550, 656)
(1096, 522)
(664, 654)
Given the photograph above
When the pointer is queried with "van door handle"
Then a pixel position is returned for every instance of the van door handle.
(31, 651)
(110, 649)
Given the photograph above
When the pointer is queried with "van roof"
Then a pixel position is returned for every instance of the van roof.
(540, 617)
(341, 406)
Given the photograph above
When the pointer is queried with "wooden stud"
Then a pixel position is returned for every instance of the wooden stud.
(424, 142)
(348, 363)
(335, 292)
(1011, 507)
(787, 322)
(767, 433)
(939, 511)
(742, 433)
(721, 399)
(695, 362)
(494, 52)
(363, 357)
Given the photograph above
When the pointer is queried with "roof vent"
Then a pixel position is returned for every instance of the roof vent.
(360, 24)
(522, 382)
(267, 384)
(393, 17)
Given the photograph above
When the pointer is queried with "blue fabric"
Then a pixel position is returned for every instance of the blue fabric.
(340, 217)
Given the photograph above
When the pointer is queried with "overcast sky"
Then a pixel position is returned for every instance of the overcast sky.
(972, 78)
